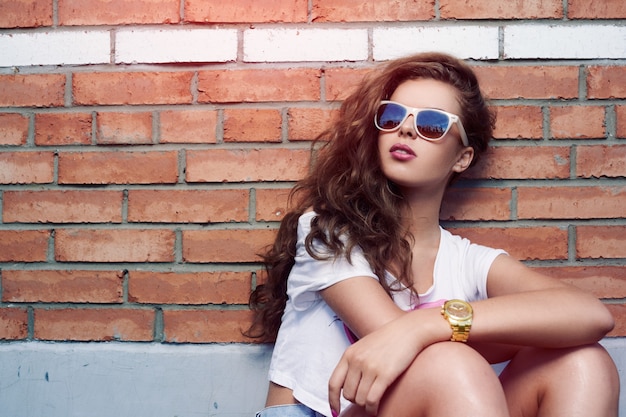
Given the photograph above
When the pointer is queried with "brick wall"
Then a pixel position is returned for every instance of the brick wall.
(147, 148)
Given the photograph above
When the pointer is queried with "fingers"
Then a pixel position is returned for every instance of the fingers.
(375, 395)
(360, 392)
(353, 385)
(335, 385)
(357, 384)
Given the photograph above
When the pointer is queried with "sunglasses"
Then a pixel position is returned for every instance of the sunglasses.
(430, 124)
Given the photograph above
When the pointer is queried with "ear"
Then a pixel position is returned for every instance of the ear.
(464, 160)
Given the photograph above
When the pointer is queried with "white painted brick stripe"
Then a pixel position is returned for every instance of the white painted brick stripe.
(55, 48)
(520, 41)
(175, 45)
(582, 41)
(477, 42)
(285, 45)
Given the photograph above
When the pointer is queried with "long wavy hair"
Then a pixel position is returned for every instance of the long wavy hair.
(356, 205)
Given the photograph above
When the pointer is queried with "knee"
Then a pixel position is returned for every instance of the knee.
(451, 354)
(594, 360)
(452, 364)
(585, 360)
(589, 363)
(582, 378)
(452, 379)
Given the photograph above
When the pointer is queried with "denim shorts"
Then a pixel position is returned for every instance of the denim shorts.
(291, 410)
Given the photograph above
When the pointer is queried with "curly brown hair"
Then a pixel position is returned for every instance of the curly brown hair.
(356, 205)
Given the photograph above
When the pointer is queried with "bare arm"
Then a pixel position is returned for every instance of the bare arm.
(528, 308)
(524, 308)
(362, 304)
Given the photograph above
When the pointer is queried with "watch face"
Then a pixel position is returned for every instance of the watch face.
(459, 310)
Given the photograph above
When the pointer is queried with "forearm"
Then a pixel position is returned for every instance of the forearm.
(550, 318)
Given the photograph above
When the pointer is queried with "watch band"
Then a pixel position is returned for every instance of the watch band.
(460, 333)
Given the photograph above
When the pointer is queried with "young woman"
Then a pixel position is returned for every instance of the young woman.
(377, 310)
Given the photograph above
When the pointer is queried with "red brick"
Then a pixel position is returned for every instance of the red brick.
(596, 161)
(476, 204)
(601, 281)
(244, 11)
(601, 242)
(606, 82)
(620, 113)
(62, 286)
(63, 129)
(114, 245)
(189, 288)
(94, 325)
(606, 9)
(224, 165)
(252, 125)
(24, 245)
(488, 9)
(116, 12)
(308, 123)
(118, 167)
(13, 129)
(188, 126)
(571, 202)
(519, 122)
(261, 277)
(206, 326)
(619, 314)
(576, 122)
(528, 243)
(232, 86)
(271, 204)
(13, 323)
(26, 168)
(188, 206)
(341, 82)
(522, 162)
(118, 88)
(53, 206)
(25, 13)
(35, 90)
(124, 128)
(532, 82)
(374, 11)
(238, 245)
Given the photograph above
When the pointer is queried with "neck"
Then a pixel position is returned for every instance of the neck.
(423, 215)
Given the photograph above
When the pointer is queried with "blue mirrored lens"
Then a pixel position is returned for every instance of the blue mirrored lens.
(390, 116)
(432, 124)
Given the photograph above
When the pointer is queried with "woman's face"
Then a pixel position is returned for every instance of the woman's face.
(407, 159)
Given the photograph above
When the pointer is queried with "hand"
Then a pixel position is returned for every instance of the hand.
(372, 364)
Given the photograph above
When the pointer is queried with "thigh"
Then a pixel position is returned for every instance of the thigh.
(579, 381)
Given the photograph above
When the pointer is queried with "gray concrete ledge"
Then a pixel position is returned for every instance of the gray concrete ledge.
(40, 379)
(131, 379)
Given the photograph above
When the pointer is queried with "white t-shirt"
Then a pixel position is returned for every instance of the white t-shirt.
(312, 338)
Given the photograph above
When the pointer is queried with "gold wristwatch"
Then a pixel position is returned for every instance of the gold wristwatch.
(459, 314)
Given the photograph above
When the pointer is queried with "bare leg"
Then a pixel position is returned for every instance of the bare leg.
(446, 379)
(572, 382)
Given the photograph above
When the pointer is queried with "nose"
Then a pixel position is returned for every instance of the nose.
(408, 128)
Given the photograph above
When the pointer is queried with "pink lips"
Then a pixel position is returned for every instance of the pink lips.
(402, 152)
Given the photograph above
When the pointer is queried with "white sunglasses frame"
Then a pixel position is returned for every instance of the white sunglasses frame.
(413, 111)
